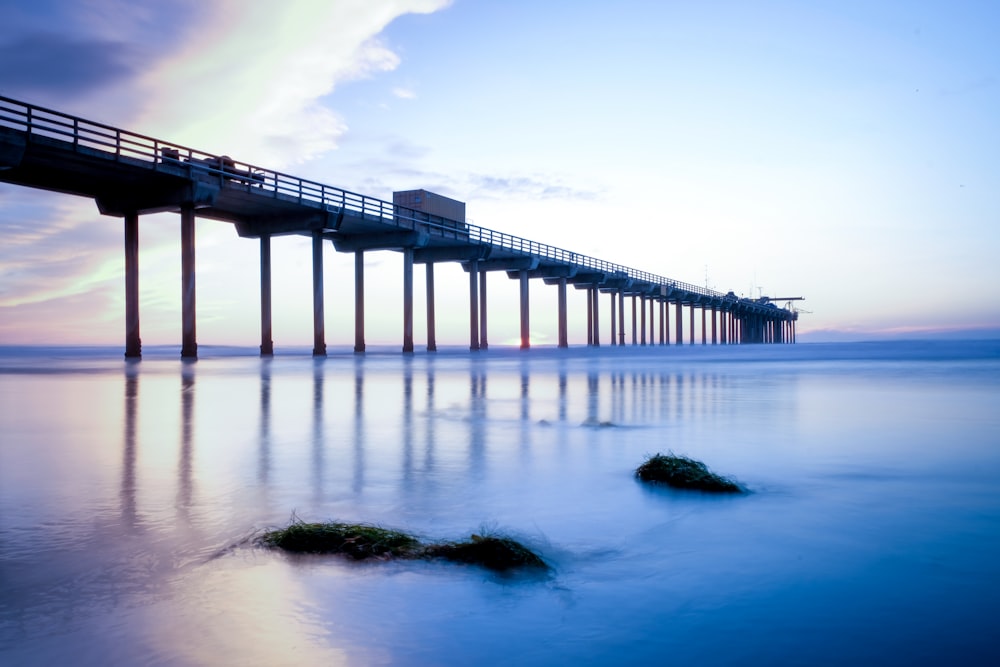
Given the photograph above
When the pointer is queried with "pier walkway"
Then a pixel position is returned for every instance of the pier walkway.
(128, 175)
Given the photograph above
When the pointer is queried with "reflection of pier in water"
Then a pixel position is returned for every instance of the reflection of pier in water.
(433, 431)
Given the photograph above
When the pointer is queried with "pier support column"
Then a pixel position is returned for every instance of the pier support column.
(319, 316)
(431, 334)
(691, 320)
(703, 330)
(621, 317)
(522, 276)
(642, 320)
(634, 316)
(595, 293)
(266, 344)
(679, 322)
(662, 325)
(614, 320)
(652, 320)
(714, 316)
(133, 345)
(590, 317)
(483, 343)
(359, 302)
(189, 343)
(722, 326)
(407, 300)
(474, 305)
(563, 326)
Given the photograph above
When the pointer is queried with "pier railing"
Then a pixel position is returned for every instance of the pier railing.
(136, 149)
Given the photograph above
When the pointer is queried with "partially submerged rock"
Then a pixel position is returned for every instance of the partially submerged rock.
(359, 541)
(681, 472)
(362, 541)
(492, 552)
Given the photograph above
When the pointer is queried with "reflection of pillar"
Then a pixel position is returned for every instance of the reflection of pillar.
(525, 325)
(358, 483)
(473, 305)
(129, 454)
(187, 410)
(133, 345)
(431, 334)
(266, 344)
(359, 301)
(563, 326)
(189, 345)
(264, 456)
(319, 318)
(562, 394)
(483, 343)
(317, 465)
(407, 299)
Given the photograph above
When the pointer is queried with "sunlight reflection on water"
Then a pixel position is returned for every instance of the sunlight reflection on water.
(129, 492)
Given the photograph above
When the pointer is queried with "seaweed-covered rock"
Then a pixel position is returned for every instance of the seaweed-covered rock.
(492, 552)
(359, 541)
(681, 472)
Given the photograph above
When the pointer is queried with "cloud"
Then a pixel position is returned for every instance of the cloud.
(253, 79)
(525, 188)
(47, 64)
(404, 93)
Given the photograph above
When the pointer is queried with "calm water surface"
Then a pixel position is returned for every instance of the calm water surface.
(129, 493)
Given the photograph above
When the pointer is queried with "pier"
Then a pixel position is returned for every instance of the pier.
(129, 175)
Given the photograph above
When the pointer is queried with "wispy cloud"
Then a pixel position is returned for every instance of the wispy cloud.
(252, 80)
(526, 188)
(405, 93)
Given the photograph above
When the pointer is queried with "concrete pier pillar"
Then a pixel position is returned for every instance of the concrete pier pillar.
(483, 343)
(703, 330)
(634, 316)
(679, 322)
(266, 344)
(621, 317)
(723, 323)
(666, 322)
(652, 321)
(407, 300)
(614, 320)
(522, 276)
(691, 320)
(715, 314)
(590, 317)
(431, 333)
(359, 302)
(662, 322)
(563, 325)
(595, 293)
(319, 317)
(189, 343)
(474, 305)
(642, 320)
(133, 344)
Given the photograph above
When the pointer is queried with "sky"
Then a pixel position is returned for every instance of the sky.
(846, 152)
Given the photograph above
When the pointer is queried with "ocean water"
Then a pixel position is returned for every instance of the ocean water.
(130, 494)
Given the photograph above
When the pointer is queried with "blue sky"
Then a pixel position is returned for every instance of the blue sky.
(847, 152)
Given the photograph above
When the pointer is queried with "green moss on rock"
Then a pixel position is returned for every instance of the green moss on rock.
(681, 472)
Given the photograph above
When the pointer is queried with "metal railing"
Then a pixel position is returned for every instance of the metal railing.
(113, 143)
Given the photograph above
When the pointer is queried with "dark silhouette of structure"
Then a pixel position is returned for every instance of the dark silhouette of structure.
(129, 175)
